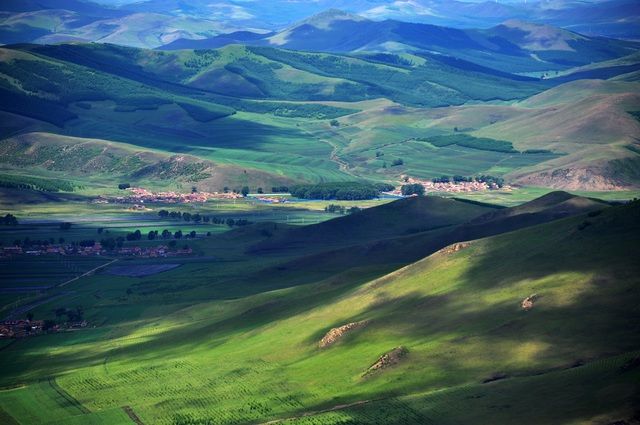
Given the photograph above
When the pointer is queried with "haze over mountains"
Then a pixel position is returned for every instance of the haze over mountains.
(159, 22)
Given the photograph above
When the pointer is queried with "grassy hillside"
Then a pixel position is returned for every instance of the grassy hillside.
(456, 315)
(103, 163)
(590, 121)
(417, 237)
(158, 115)
(261, 72)
(295, 114)
(398, 218)
(579, 135)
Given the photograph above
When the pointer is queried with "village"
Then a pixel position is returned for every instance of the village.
(452, 185)
(141, 196)
(29, 327)
(97, 249)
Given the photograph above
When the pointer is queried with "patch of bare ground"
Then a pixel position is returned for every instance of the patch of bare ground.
(387, 360)
(335, 334)
(578, 178)
(527, 303)
(132, 415)
(454, 248)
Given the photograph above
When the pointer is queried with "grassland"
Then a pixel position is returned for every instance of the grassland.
(236, 337)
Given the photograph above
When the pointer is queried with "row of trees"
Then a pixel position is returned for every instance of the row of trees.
(348, 191)
(166, 234)
(197, 218)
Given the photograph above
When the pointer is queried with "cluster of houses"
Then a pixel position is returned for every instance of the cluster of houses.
(154, 251)
(271, 199)
(20, 328)
(140, 196)
(95, 250)
(452, 187)
(24, 328)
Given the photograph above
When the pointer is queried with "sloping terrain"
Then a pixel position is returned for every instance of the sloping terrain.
(269, 73)
(580, 135)
(394, 219)
(107, 163)
(448, 331)
(418, 237)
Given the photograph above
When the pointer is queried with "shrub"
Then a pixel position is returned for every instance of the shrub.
(412, 189)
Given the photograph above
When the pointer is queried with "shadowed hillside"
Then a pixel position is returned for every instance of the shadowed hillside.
(397, 218)
(417, 235)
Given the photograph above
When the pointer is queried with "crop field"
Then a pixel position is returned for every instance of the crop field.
(140, 270)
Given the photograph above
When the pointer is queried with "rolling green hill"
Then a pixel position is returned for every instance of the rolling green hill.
(399, 218)
(312, 117)
(372, 240)
(262, 72)
(452, 326)
(104, 163)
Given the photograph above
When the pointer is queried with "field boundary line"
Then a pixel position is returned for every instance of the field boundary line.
(86, 273)
(318, 412)
(132, 415)
(58, 389)
(36, 303)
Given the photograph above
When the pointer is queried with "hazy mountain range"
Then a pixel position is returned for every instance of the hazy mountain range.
(156, 23)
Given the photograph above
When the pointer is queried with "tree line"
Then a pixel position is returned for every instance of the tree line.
(344, 191)
(198, 218)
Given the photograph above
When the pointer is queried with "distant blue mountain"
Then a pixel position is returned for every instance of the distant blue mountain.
(154, 23)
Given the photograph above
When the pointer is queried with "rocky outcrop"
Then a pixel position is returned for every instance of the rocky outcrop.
(389, 359)
(335, 334)
(454, 248)
(527, 303)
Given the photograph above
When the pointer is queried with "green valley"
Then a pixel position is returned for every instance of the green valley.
(327, 212)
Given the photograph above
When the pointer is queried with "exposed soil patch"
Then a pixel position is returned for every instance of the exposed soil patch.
(454, 248)
(389, 359)
(132, 415)
(335, 334)
(527, 303)
(141, 270)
